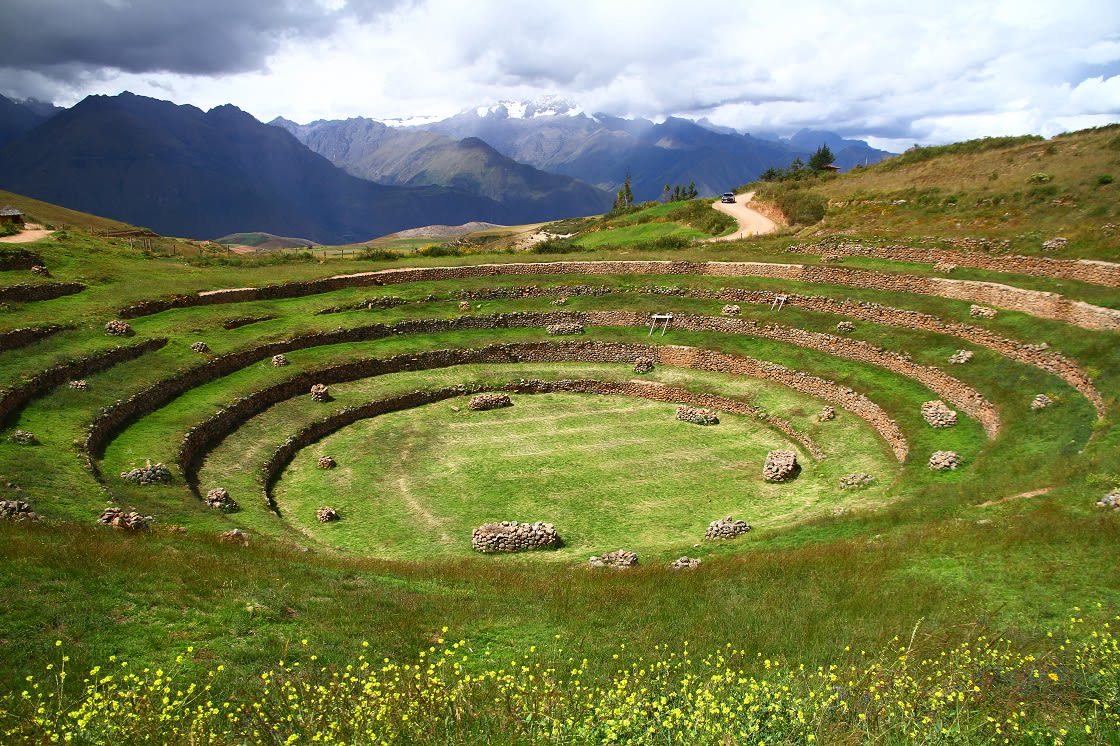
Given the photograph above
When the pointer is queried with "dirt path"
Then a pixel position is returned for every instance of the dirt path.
(31, 232)
(751, 222)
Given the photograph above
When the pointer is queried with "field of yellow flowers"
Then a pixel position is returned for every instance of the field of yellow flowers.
(1065, 690)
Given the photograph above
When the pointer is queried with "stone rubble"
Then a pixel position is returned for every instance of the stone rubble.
(511, 536)
(780, 465)
(234, 535)
(148, 474)
(845, 327)
(981, 312)
(1042, 401)
(17, 510)
(960, 357)
(827, 413)
(944, 266)
(697, 416)
(327, 514)
(943, 460)
(40, 270)
(200, 347)
(118, 518)
(726, 528)
(219, 499)
(937, 414)
(643, 364)
(685, 563)
(564, 329)
(464, 305)
(482, 402)
(856, 480)
(619, 558)
(731, 310)
(79, 385)
(320, 392)
(561, 301)
(326, 462)
(118, 328)
(1054, 244)
(23, 437)
(279, 361)
(1110, 501)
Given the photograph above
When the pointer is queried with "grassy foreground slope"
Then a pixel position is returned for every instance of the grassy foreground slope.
(975, 605)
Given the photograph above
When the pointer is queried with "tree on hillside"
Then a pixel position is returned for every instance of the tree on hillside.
(625, 196)
(821, 159)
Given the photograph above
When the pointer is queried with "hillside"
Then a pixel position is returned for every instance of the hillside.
(853, 482)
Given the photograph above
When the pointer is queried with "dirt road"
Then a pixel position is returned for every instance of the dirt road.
(751, 223)
(30, 232)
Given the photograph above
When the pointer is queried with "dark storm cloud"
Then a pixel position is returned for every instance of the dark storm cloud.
(63, 40)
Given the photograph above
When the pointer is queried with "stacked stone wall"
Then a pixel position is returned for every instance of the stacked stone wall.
(19, 259)
(46, 291)
(29, 335)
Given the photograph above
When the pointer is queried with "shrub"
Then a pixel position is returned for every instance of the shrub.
(371, 254)
(556, 246)
(1104, 179)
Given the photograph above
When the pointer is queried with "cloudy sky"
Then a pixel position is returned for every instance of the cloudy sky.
(896, 73)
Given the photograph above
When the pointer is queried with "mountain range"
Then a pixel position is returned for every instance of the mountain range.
(182, 171)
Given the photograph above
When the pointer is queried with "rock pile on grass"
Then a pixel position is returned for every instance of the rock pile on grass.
(326, 462)
(780, 465)
(320, 392)
(511, 536)
(826, 414)
(1111, 501)
(219, 499)
(79, 385)
(643, 365)
(726, 528)
(619, 558)
(944, 266)
(327, 514)
(40, 270)
(464, 305)
(845, 327)
(731, 310)
(564, 329)
(981, 312)
(960, 357)
(856, 481)
(1042, 401)
(697, 416)
(279, 361)
(482, 402)
(685, 563)
(130, 521)
(937, 414)
(1056, 243)
(17, 510)
(200, 347)
(148, 474)
(944, 460)
(23, 438)
(234, 535)
(118, 328)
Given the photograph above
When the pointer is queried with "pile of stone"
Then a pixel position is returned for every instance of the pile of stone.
(148, 474)
(561, 301)
(1054, 244)
(118, 328)
(731, 310)
(40, 270)
(826, 414)
(326, 462)
(855, 481)
(944, 460)
(131, 520)
(219, 499)
(79, 385)
(200, 347)
(685, 563)
(320, 392)
(780, 465)
(511, 536)
(944, 266)
(17, 510)
(234, 534)
(620, 558)
(726, 528)
(566, 328)
(960, 357)
(697, 416)
(482, 402)
(981, 312)
(464, 305)
(327, 515)
(23, 437)
(937, 414)
(1110, 501)
(845, 327)
(643, 365)
(1042, 401)
(279, 361)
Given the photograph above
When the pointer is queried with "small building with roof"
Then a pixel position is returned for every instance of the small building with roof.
(10, 216)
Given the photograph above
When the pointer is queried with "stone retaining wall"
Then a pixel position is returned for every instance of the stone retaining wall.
(1083, 270)
(19, 259)
(28, 335)
(47, 291)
